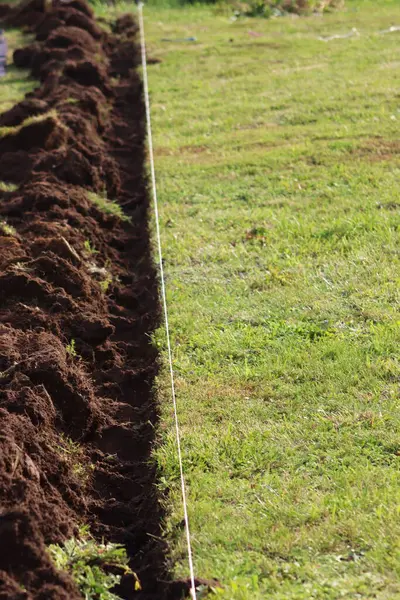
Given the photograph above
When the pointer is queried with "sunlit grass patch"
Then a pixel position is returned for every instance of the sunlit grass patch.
(277, 167)
(14, 130)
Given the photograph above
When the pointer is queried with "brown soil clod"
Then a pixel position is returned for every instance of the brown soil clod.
(65, 37)
(47, 134)
(74, 272)
(25, 109)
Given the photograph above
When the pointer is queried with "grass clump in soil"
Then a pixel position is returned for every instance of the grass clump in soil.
(7, 187)
(7, 229)
(75, 456)
(105, 283)
(92, 565)
(51, 114)
(109, 207)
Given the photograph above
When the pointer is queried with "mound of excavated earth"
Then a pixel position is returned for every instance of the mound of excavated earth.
(78, 302)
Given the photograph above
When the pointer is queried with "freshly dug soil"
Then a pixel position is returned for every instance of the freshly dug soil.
(78, 302)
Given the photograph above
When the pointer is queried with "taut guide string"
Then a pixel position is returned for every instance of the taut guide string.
(163, 294)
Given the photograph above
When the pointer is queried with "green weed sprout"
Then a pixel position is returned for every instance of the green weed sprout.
(88, 562)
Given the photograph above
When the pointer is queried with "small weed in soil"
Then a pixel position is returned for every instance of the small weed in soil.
(7, 187)
(75, 455)
(89, 248)
(70, 348)
(7, 229)
(95, 567)
(105, 284)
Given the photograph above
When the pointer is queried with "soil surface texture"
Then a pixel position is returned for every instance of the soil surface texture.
(78, 302)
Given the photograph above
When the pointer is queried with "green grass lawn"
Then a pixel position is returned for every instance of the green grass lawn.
(278, 164)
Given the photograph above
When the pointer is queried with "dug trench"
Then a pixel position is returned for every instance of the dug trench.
(79, 301)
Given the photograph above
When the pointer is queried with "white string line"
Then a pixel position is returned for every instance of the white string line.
(164, 298)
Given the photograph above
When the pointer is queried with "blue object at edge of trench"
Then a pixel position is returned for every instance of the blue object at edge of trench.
(3, 54)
